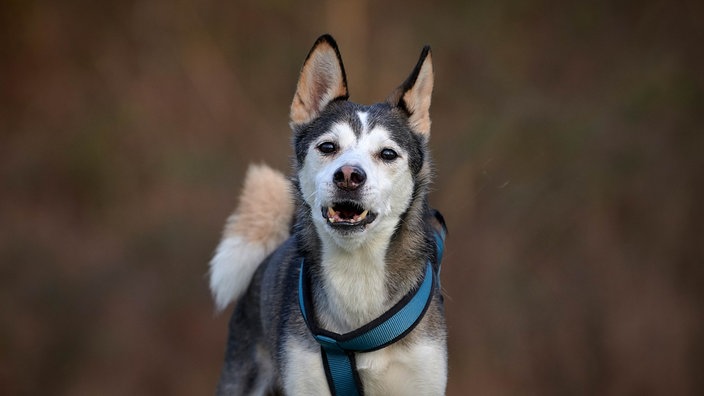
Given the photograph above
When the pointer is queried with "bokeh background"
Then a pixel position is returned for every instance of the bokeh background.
(568, 144)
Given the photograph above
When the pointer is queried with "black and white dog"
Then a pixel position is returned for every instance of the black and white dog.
(336, 274)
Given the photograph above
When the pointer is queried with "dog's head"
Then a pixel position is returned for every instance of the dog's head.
(358, 166)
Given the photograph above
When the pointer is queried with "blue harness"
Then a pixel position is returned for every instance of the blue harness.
(338, 350)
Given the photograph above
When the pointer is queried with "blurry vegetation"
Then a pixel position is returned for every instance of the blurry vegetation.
(568, 145)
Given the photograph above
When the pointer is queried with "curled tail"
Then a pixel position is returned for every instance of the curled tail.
(257, 227)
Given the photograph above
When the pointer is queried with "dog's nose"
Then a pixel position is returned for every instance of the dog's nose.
(349, 177)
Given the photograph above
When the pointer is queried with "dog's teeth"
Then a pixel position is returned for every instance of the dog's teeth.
(363, 215)
(331, 213)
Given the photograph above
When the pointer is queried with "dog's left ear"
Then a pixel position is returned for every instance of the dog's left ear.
(322, 80)
(413, 96)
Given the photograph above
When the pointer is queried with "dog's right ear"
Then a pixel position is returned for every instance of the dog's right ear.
(322, 80)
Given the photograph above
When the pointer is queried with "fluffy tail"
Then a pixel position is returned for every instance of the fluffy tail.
(258, 225)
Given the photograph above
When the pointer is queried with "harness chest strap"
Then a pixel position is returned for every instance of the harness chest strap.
(338, 350)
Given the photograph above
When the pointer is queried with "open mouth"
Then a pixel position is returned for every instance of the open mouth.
(347, 214)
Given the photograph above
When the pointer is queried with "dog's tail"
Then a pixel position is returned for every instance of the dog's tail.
(257, 227)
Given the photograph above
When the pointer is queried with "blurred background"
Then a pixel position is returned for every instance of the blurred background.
(568, 149)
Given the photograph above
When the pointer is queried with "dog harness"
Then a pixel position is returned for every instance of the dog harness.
(338, 350)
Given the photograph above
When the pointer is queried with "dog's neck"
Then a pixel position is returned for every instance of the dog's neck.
(353, 282)
(358, 285)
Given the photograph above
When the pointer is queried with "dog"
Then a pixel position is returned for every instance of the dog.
(335, 271)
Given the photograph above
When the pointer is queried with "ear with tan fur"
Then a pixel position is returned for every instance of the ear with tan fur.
(322, 80)
(413, 96)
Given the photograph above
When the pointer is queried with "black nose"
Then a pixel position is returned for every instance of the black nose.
(349, 177)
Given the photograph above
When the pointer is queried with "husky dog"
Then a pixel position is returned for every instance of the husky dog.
(336, 271)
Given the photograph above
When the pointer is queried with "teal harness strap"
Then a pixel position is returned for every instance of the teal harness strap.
(338, 350)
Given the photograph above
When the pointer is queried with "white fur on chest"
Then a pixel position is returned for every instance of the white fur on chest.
(419, 369)
(397, 370)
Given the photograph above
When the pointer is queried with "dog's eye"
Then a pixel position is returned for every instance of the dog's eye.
(327, 147)
(388, 155)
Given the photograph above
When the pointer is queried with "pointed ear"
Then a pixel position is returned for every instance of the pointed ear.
(322, 80)
(413, 96)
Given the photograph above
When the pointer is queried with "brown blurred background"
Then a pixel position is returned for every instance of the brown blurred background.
(569, 154)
